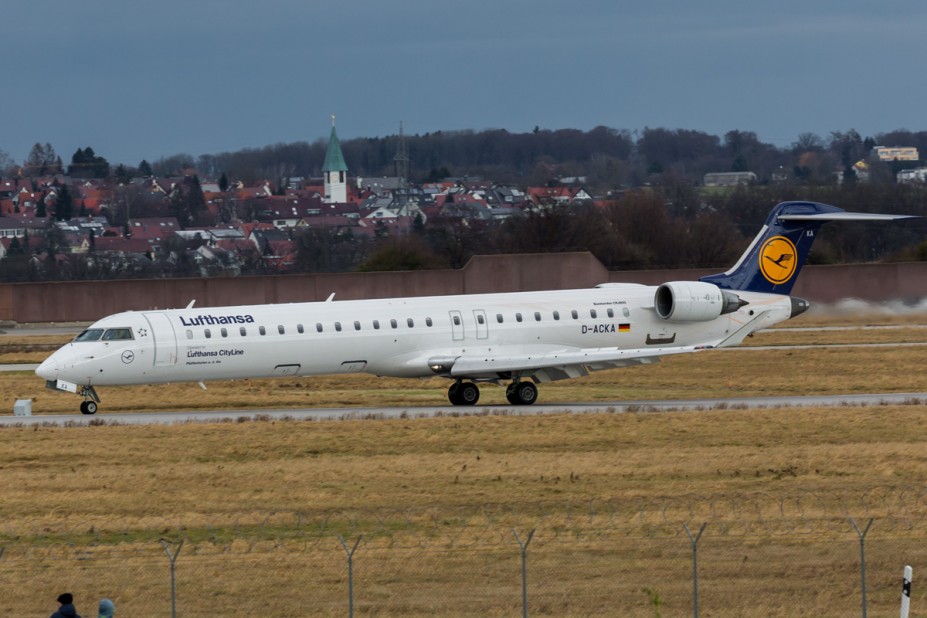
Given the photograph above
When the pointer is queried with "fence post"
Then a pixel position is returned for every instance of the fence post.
(905, 591)
(173, 559)
(695, 540)
(862, 557)
(350, 553)
(524, 570)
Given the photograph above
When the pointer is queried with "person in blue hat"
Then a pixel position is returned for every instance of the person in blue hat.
(107, 609)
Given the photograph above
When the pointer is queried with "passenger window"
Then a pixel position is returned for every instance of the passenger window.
(224, 331)
(280, 329)
(592, 313)
(243, 331)
(189, 334)
(480, 318)
(518, 317)
(556, 315)
(611, 312)
(318, 326)
(428, 322)
(456, 320)
(625, 312)
(299, 329)
(575, 314)
(356, 325)
(208, 334)
(499, 318)
(262, 330)
(537, 316)
(394, 324)
(338, 326)
(376, 325)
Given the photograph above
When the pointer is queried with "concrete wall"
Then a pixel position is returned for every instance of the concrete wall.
(86, 301)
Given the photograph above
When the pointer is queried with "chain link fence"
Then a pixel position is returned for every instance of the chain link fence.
(756, 555)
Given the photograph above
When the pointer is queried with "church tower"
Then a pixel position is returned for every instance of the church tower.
(335, 171)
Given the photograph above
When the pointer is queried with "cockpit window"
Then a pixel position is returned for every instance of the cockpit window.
(113, 334)
(91, 334)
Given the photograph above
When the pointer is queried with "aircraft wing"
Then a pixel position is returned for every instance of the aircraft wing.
(550, 366)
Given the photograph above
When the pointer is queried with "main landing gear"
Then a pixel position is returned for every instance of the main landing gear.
(521, 393)
(467, 393)
(463, 394)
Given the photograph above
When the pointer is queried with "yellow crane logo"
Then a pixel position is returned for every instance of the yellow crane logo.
(778, 259)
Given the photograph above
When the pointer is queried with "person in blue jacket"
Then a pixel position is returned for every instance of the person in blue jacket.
(67, 607)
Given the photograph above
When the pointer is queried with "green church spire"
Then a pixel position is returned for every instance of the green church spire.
(334, 159)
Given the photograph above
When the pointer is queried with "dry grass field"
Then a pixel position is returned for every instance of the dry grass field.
(261, 504)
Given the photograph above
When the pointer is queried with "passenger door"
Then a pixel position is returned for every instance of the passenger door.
(164, 339)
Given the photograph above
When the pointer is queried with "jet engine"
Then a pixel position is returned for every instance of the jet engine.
(694, 301)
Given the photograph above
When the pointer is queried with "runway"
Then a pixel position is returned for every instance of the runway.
(336, 414)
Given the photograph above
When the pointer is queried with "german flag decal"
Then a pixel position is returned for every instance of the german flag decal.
(624, 328)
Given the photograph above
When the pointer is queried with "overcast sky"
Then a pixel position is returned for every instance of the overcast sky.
(147, 80)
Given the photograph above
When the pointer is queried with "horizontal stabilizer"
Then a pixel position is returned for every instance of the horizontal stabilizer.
(844, 216)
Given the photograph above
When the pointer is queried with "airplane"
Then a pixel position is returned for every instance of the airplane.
(519, 338)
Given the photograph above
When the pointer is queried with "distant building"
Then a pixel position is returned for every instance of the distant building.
(334, 171)
(896, 153)
(728, 179)
(918, 175)
(11, 228)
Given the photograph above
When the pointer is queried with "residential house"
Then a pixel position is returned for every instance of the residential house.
(126, 247)
(729, 179)
(12, 227)
(154, 229)
(914, 176)
(286, 211)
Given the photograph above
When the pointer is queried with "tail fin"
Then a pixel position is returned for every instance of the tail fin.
(775, 257)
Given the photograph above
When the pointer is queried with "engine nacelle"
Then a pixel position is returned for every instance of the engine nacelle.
(694, 301)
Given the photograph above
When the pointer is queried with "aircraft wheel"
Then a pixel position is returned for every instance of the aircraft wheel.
(510, 393)
(521, 393)
(468, 393)
(88, 407)
(453, 394)
(463, 393)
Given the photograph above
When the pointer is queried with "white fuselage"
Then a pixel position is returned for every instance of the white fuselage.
(394, 337)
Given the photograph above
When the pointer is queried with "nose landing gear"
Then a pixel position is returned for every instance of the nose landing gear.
(91, 399)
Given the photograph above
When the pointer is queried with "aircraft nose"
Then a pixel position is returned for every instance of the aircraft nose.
(48, 369)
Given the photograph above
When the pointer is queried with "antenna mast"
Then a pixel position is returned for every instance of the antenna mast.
(401, 163)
